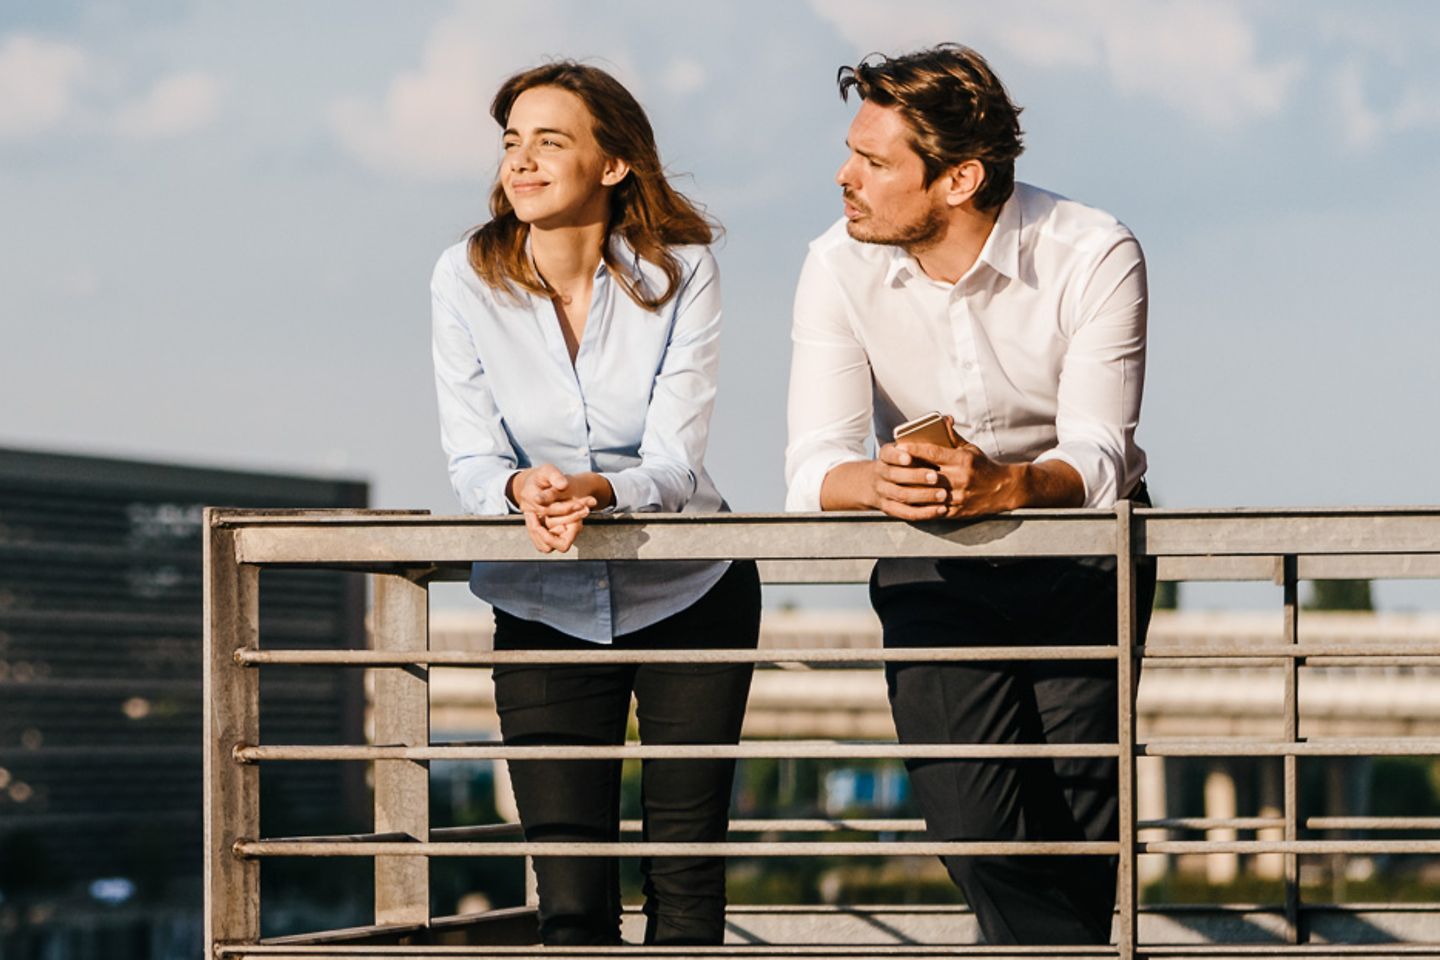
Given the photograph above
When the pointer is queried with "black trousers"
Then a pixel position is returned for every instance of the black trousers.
(579, 800)
(1042, 602)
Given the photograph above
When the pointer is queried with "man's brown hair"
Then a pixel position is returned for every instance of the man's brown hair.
(956, 108)
(650, 214)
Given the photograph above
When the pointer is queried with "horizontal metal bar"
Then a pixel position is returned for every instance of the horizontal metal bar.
(1391, 747)
(1237, 532)
(815, 571)
(493, 830)
(479, 658)
(473, 832)
(1425, 661)
(1211, 823)
(875, 848)
(760, 951)
(1266, 568)
(1291, 846)
(1213, 663)
(1208, 568)
(865, 825)
(1336, 747)
(749, 750)
(1321, 951)
(1345, 648)
(1370, 566)
(894, 825)
(1353, 566)
(1372, 823)
(831, 536)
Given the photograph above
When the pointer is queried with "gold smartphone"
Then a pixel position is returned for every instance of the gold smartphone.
(928, 428)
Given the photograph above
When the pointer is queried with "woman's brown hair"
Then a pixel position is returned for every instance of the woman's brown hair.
(650, 214)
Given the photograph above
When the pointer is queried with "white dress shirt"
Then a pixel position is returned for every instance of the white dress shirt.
(634, 406)
(1038, 351)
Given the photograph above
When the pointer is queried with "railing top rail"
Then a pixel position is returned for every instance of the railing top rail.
(418, 539)
(241, 517)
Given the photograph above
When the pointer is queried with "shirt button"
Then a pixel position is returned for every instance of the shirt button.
(969, 364)
(602, 583)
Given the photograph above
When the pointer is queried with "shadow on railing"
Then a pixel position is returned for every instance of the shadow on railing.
(405, 552)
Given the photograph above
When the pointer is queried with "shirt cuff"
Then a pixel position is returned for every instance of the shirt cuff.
(486, 497)
(510, 505)
(803, 495)
(633, 493)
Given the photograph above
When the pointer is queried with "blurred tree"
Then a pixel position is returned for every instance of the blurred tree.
(1340, 595)
(1167, 595)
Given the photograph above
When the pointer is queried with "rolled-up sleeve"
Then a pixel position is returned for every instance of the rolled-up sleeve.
(831, 401)
(481, 457)
(1103, 375)
(677, 422)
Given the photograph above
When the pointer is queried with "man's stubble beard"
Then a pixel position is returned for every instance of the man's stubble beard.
(914, 237)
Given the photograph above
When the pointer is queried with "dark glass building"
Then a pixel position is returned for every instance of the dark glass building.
(100, 713)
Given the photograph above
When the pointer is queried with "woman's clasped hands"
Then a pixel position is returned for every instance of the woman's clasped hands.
(556, 504)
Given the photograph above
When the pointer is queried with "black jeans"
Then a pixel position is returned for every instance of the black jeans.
(579, 800)
(1040, 602)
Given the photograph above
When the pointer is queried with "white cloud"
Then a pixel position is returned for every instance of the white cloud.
(1199, 57)
(1363, 123)
(683, 77)
(434, 121)
(1360, 124)
(38, 82)
(178, 104)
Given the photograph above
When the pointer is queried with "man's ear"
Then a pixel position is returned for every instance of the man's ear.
(615, 171)
(963, 181)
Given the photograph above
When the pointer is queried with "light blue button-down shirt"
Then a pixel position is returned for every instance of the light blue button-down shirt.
(635, 407)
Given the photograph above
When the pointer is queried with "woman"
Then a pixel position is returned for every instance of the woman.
(575, 360)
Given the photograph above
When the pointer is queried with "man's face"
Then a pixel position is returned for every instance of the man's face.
(883, 183)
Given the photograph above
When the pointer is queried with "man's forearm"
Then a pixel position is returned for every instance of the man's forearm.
(1052, 483)
(850, 486)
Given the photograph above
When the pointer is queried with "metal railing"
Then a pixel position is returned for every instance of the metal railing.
(405, 552)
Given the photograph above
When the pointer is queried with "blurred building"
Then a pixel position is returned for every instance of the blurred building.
(1173, 702)
(100, 704)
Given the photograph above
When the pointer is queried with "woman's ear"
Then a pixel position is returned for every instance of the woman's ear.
(615, 171)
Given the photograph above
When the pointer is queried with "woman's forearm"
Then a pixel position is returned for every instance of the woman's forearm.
(591, 485)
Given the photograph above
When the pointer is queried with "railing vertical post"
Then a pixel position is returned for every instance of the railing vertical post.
(1127, 892)
(401, 621)
(1291, 733)
(231, 717)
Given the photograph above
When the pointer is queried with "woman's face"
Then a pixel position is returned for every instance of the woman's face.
(554, 173)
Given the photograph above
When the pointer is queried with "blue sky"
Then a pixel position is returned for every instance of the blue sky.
(219, 220)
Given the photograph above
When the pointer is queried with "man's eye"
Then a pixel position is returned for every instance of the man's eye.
(549, 143)
(510, 145)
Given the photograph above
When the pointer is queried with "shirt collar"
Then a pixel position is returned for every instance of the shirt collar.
(620, 251)
(1001, 251)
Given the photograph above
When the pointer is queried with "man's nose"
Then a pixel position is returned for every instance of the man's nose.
(842, 176)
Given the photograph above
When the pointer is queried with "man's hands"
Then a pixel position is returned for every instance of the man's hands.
(555, 504)
(924, 481)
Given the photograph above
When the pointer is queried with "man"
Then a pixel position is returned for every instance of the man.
(1020, 315)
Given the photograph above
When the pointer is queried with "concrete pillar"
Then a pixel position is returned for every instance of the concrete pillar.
(1221, 802)
(1150, 800)
(1271, 866)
